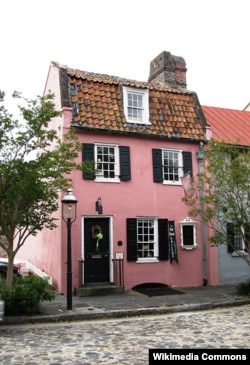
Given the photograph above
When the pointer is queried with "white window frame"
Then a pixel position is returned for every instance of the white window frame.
(180, 166)
(99, 176)
(188, 222)
(155, 242)
(241, 251)
(144, 108)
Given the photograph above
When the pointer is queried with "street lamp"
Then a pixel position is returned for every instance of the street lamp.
(69, 216)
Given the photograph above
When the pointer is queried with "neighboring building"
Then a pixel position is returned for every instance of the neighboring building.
(144, 137)
(231, 127)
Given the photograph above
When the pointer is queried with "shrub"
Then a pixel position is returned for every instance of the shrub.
(26, 295)
(243, 288)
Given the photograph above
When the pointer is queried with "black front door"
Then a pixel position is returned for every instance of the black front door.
(96, 250)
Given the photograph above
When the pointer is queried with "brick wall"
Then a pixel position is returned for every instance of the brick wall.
(168, 69)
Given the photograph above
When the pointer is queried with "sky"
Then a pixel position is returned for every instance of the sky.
(122, 37)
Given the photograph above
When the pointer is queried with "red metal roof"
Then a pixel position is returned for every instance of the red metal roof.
(229, 125)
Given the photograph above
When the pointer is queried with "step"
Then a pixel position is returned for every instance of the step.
(98, 290)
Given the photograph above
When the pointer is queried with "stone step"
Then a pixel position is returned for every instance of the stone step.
(98, 290)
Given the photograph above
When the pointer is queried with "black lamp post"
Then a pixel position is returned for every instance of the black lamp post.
(69, 216)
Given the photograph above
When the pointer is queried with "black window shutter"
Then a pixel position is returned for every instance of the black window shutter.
(247, 234)
(163, 239)
(230, 237)
(157, 165)
(187, 162)
(88, 154)
(131, 239)
(125, 173)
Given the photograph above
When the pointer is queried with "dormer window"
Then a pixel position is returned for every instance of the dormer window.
(136, 107)
(188, 234)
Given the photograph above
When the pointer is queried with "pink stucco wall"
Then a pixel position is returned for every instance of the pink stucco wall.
(45, 250)
(141, 197)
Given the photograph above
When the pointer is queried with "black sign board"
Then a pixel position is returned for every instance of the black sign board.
(172, 247)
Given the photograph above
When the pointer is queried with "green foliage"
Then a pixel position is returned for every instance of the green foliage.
(224, 191)
(243, 288)
(37, 156)
(26, 295)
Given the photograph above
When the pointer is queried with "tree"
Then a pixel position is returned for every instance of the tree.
(35, 163)
(223, 195)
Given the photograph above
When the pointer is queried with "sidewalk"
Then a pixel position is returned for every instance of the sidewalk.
(132, 303)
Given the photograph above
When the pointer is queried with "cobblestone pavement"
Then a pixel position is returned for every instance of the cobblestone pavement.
(123, 341)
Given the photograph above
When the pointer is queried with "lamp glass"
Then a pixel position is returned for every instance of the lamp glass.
(69, 206)
(69, 210)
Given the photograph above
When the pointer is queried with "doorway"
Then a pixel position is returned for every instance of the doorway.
(96, 250)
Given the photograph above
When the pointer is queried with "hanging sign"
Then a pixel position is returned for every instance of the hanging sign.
(172, 247)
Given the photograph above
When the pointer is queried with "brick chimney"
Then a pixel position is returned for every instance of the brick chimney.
(168, 69)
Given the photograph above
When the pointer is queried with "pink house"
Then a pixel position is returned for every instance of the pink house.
(144, 138)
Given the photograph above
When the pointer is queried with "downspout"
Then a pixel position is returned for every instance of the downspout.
(200, 157)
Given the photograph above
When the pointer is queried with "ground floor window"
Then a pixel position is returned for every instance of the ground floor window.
(188, 234)
(235, 239)
(147, 239)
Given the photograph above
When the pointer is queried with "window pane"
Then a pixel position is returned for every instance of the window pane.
(188, 235)
(135, 106)
(106, 161)
(171, 166)
(237, 239)
(145, 237)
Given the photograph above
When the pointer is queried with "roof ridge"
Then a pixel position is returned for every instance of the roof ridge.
(110, 79)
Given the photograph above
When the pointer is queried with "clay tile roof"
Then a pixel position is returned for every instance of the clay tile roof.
(229, 125)
(97, 102)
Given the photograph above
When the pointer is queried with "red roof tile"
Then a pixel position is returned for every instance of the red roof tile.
(97, 103)
(228, 125)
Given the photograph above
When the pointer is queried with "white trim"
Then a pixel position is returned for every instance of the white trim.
(148, 260)
(98, 176)
(180, 167)
(104, 179)
(239, 253)
(145, 107)
(188, 222)
(111, 244)
(156, 242)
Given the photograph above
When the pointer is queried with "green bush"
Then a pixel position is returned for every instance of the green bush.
(26, 295)
(243, 288)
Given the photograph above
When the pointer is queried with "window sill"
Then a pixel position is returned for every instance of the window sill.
(188, 248)
(147, 260)
(135, 123)
(107, 180)
(240, 254)
(172, 183)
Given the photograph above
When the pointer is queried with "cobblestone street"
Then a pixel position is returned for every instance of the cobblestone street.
(123, 341)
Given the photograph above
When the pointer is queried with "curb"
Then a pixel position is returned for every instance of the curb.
(69, 317)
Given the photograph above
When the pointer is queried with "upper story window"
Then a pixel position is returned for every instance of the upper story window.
(136, 106)
(170, 165)
(188, 234)
(111, 162)
(107, 161)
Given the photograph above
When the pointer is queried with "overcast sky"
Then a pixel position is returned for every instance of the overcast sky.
(121, 37)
